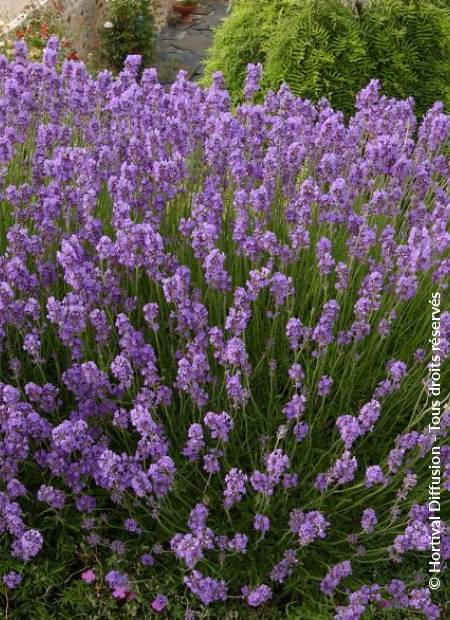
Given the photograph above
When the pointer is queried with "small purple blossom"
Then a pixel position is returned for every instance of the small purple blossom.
(12, 580)
(235, 487)
(369, 520)
(335, 575)
(308, 526)
(219, 424)
(257, 596)
(159, 603)
(206, 589)
(261, 523)
(147, 559)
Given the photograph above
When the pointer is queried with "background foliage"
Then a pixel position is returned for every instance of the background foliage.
(129, 29)
(410, 45)
(36, 31)
(326, 48)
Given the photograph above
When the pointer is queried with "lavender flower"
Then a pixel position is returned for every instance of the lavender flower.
(235, 487)
(251, 86)
(12, 580)
(261, 523)
(219, 424)
(183, 286)
(308, 526)
(369, 520)
(206, 589)
(335, 575)
(257, 596)
(159, 603)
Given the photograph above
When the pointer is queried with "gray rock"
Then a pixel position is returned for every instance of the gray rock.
(184, 45)
(202, 9)
(195, 42)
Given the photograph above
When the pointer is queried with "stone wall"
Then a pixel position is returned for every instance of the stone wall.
(161, 10)
(83, 19)
(9, 9)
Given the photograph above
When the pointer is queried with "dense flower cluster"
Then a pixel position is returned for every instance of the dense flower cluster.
(214, 332)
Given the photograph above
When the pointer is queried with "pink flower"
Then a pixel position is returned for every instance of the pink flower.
(120, 593)
(88, 576)
(159, 603)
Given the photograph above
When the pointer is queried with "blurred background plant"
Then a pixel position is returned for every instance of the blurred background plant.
(129, 28)
(35, 31)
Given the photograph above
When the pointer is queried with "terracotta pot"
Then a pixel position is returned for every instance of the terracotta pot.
(184, 9)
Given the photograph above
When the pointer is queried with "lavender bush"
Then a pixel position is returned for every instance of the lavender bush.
(215, 344)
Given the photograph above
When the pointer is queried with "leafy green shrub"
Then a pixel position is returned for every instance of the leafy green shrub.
(129, 28)
(410, 42)
(327, 48)
(318, 49)
(240, 41)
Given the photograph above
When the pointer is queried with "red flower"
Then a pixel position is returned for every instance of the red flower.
(73, 56)
(44, 31)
